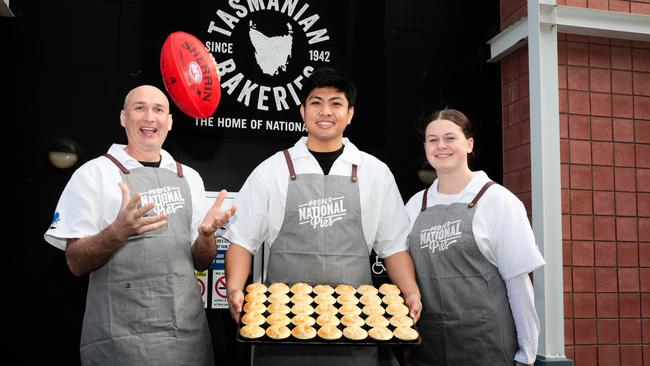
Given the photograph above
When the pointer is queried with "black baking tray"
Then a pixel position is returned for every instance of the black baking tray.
(368, 341)
(317, 340)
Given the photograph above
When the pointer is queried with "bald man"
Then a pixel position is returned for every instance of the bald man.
(135, 220)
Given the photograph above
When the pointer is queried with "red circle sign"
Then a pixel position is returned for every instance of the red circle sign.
(201, 286)
(220, 287)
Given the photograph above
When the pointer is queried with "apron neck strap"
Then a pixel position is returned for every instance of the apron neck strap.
(470, 205)
(117, 163)
(179, 169)
(179, 166)
(424, 199)
(292, 171)
(480, 193)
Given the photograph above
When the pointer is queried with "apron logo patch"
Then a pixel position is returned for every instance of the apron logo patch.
(167, 199)
(322, 212)
(440, 237)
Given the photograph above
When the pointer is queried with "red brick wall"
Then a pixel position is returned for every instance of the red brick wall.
(604, 94)
(625, 6)
(605, 156)
(511, 11)
(516, 125)
(605, 153)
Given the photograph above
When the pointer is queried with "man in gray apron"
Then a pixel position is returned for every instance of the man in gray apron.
(143, 305)
(466, 317)
(308, 203)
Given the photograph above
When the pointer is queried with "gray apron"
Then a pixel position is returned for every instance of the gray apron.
(143, 307)
(466, 318)
(321, 241)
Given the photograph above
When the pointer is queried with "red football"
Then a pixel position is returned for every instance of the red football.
(190, 75)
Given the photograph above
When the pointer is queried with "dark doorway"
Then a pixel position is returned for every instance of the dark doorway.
(69, 64)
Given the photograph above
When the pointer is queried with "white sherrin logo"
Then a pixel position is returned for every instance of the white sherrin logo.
(195, 72)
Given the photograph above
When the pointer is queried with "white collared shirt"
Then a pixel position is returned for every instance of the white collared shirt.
(504, 236)
(92, 198)
(262, 199)
(501, 227)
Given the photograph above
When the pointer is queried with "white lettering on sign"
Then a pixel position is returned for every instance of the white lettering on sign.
(283, 38)
(243, 123)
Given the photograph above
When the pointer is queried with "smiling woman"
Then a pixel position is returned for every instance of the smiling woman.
(447, 145)
(464, 224)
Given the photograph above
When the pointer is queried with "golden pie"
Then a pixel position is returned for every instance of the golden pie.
(278, 308)
(279, 288)
(355, 333)
(345, 299)
(389, 289)
(303, 319)
(327, 319)
(278, 318)
(301, 288)
(254, 307)
(349, 309)
(352, 321)
(323, 290)
(373, 309)
(255, 297)
(397, 309)
(367, 289)
(329, 332)
(301, 298)
(324, 299)
(278, 331)
(377, 321)
(253, 318)
(401, 321)
(304, 332)
(306, 309)
(393, 299)
(406, 333)
(278, 298)
(326, 309)
(257, 288)
(370, 299)
(251, 331)
(345, 289)
(380, 333)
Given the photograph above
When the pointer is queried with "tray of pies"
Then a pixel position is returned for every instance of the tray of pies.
(324, 314)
